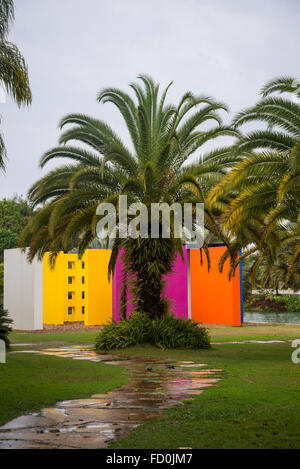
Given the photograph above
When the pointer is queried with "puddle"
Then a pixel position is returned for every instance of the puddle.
(96, 421)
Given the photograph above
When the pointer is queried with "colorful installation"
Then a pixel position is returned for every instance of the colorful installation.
(78, 290)
(214, 298)
(194, 292)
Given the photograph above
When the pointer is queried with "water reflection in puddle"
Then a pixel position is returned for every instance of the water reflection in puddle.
(102, 418)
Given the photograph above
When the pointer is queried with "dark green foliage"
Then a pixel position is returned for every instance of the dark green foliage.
(5, 326)
(8, 240)
(14, 215)
(171, 332)
(166, 332)
(247, 285)
(292, 302)
(123, 334)
(269, 302)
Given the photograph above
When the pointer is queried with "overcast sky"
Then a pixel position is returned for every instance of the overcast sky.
(74, 48)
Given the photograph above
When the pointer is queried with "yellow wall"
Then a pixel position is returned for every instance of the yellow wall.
(97, 301)
(53, 281)
(99, 294)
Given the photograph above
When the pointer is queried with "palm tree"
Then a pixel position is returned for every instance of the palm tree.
(13, 69)
(274, 275)
(160, 166)
(282, 116)
(262, 191)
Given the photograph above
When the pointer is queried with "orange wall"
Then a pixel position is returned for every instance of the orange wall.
(214, 299)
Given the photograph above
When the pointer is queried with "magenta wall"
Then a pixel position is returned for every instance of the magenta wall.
(116, 291)
(176, 289)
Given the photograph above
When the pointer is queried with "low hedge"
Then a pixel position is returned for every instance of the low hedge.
(166, 332)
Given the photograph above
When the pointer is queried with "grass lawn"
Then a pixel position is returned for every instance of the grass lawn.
(269, 332)
(218, 334)
(54, 338)
(256, 405)
(29, 382)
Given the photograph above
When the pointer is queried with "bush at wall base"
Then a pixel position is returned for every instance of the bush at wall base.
(5, 326)
(166, 332)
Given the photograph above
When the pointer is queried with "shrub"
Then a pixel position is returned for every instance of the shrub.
(166, 332)
(293, 303)
(171, 332)
(5, 326)
(270, 303)
(119, 335)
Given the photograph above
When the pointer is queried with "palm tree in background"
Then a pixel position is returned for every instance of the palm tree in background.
(160, 166)
(275, 275)
(13, 69)
(261, 194)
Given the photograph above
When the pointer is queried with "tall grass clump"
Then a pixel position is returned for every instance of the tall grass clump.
(166, 332)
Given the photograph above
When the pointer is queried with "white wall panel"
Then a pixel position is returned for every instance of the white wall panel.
(23, 290)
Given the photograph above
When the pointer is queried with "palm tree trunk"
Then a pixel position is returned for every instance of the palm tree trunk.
(149, 259)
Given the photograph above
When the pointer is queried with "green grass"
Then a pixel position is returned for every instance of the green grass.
(222, 334)
(30, 382)
(256, 405)
(54, 338)
(280, 332)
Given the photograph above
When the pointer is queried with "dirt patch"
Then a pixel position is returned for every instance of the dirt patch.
(80, 327)
(67, 327)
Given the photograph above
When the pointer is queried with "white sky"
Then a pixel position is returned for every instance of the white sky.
(225, 48)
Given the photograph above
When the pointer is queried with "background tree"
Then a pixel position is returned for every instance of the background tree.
(14, 215)
(276, 275)
(13, 69)
(8, 240)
